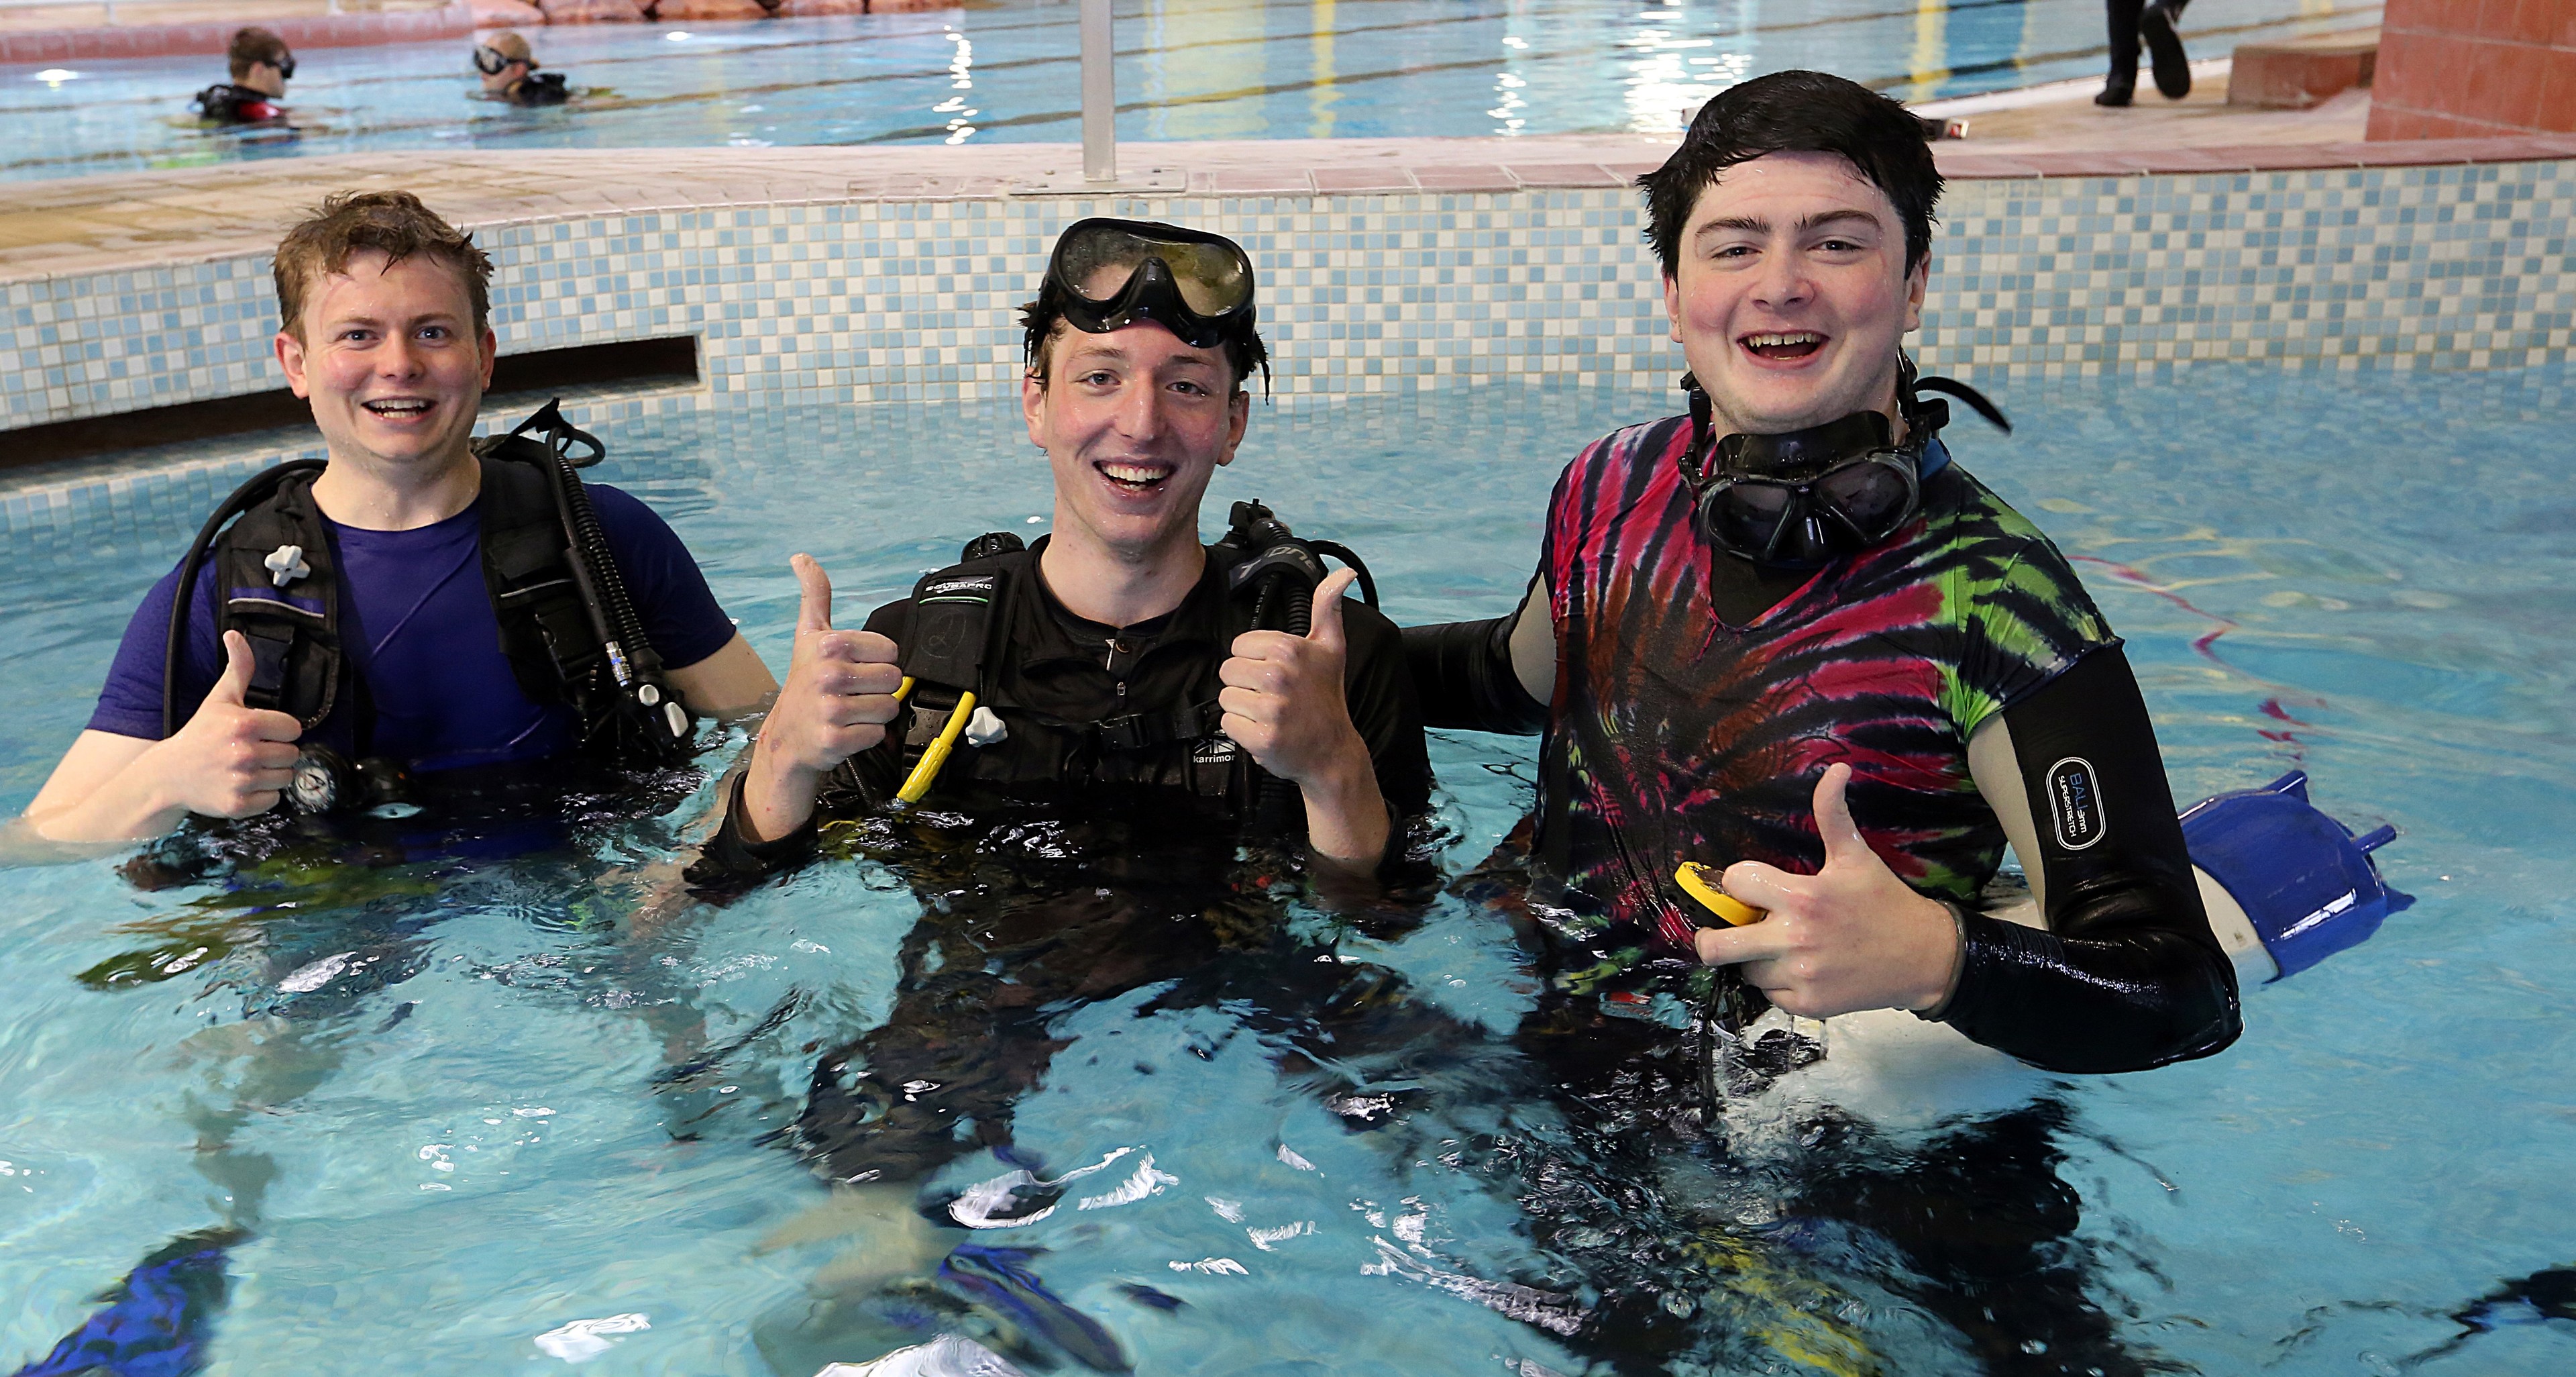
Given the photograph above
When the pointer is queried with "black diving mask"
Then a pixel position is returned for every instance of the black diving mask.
(488, 60)
(285, 65)
(1805, 498)
(1194, 284)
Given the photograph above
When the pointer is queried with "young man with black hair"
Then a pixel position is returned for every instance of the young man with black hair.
(1063, 750)
(1785, 635)
(261, 66)
(397, 629)
(1120, 656)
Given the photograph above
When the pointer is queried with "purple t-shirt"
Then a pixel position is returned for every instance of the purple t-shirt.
(419, 629)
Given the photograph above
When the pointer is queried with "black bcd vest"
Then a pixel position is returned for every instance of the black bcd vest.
(276, 584)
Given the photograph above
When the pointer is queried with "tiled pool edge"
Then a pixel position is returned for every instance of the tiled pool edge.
(890, 297)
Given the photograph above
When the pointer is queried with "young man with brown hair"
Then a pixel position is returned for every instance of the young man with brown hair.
(261, 66)
(402, 609)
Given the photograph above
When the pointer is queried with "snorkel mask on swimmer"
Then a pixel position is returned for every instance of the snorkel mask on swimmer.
(1804, 498)
(489, 60)
(1197, 285)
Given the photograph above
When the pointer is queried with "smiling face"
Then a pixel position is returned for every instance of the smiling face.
(1791, 296)
(1134, 423)
(391, 361)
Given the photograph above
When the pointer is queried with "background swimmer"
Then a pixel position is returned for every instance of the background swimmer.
(509, 69)
(261, 66)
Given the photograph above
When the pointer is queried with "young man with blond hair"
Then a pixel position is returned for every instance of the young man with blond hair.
(390, 624)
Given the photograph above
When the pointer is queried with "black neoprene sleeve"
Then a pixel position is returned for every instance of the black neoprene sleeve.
(2128, 975)
(1462, 671)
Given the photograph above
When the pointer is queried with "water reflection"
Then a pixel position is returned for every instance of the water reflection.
(1188, 69)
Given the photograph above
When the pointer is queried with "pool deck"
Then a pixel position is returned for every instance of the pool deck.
(106, 223)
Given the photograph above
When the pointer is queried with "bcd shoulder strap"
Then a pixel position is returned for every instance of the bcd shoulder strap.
(954, 618)
(545, 629)
(276, 583)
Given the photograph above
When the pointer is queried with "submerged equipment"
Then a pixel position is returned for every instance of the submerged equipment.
(567, 626)
(1803, 498)
(2302, 886)
(955, 635)
(1197, 285)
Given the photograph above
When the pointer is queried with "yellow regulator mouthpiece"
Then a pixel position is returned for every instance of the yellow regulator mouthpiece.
(1701, 883)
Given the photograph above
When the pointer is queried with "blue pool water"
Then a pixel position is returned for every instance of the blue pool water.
(1188, 69)
(455, 1143)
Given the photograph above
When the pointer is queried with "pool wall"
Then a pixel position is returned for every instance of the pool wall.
(878, 298)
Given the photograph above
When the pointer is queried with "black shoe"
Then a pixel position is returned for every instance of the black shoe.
(2117, 91)
(2164, 49)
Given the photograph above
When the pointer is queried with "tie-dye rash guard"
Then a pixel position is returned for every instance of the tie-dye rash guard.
(1676, 737)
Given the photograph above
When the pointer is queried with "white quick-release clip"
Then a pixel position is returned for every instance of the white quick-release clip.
(985, 727)
(286, 564)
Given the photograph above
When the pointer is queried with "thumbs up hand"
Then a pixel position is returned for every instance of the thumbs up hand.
(837, 699)
(1283, 694)
(1851, 936)
(231, 759)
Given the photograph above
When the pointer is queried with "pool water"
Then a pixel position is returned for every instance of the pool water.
(467, 1134)
(1187, 69)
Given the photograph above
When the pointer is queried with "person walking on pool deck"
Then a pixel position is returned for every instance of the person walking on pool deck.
(1786, 635)
(260, 66)
(2158, 26)
(408, 607)
(1118, 653)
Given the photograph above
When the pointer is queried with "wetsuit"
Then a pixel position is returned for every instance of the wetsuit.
(1059, 869)
(1699, 698)
(226, 103)
(1077, 695)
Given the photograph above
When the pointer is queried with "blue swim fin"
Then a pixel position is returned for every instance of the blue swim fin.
(1000, 1279)
(2304, 881)
(158, 1321)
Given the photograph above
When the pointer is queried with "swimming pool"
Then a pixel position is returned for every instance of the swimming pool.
(465, 1134)
(1188, 69)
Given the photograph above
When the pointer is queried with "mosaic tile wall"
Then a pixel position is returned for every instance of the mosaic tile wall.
(2444, 266)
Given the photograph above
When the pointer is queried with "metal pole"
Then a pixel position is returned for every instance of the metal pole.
(1099, 93)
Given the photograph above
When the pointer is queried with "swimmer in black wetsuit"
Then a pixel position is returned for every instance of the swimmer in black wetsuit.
(1125, 714)
(508, 67)
(261, 66)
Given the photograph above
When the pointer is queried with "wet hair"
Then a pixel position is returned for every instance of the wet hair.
(393, 223)
(1043, 320)
(1796, 112)
(513, 47)
(251, 47)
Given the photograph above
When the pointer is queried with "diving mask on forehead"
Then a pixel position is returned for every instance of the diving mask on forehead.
(1804, 498)
(1110, 274)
